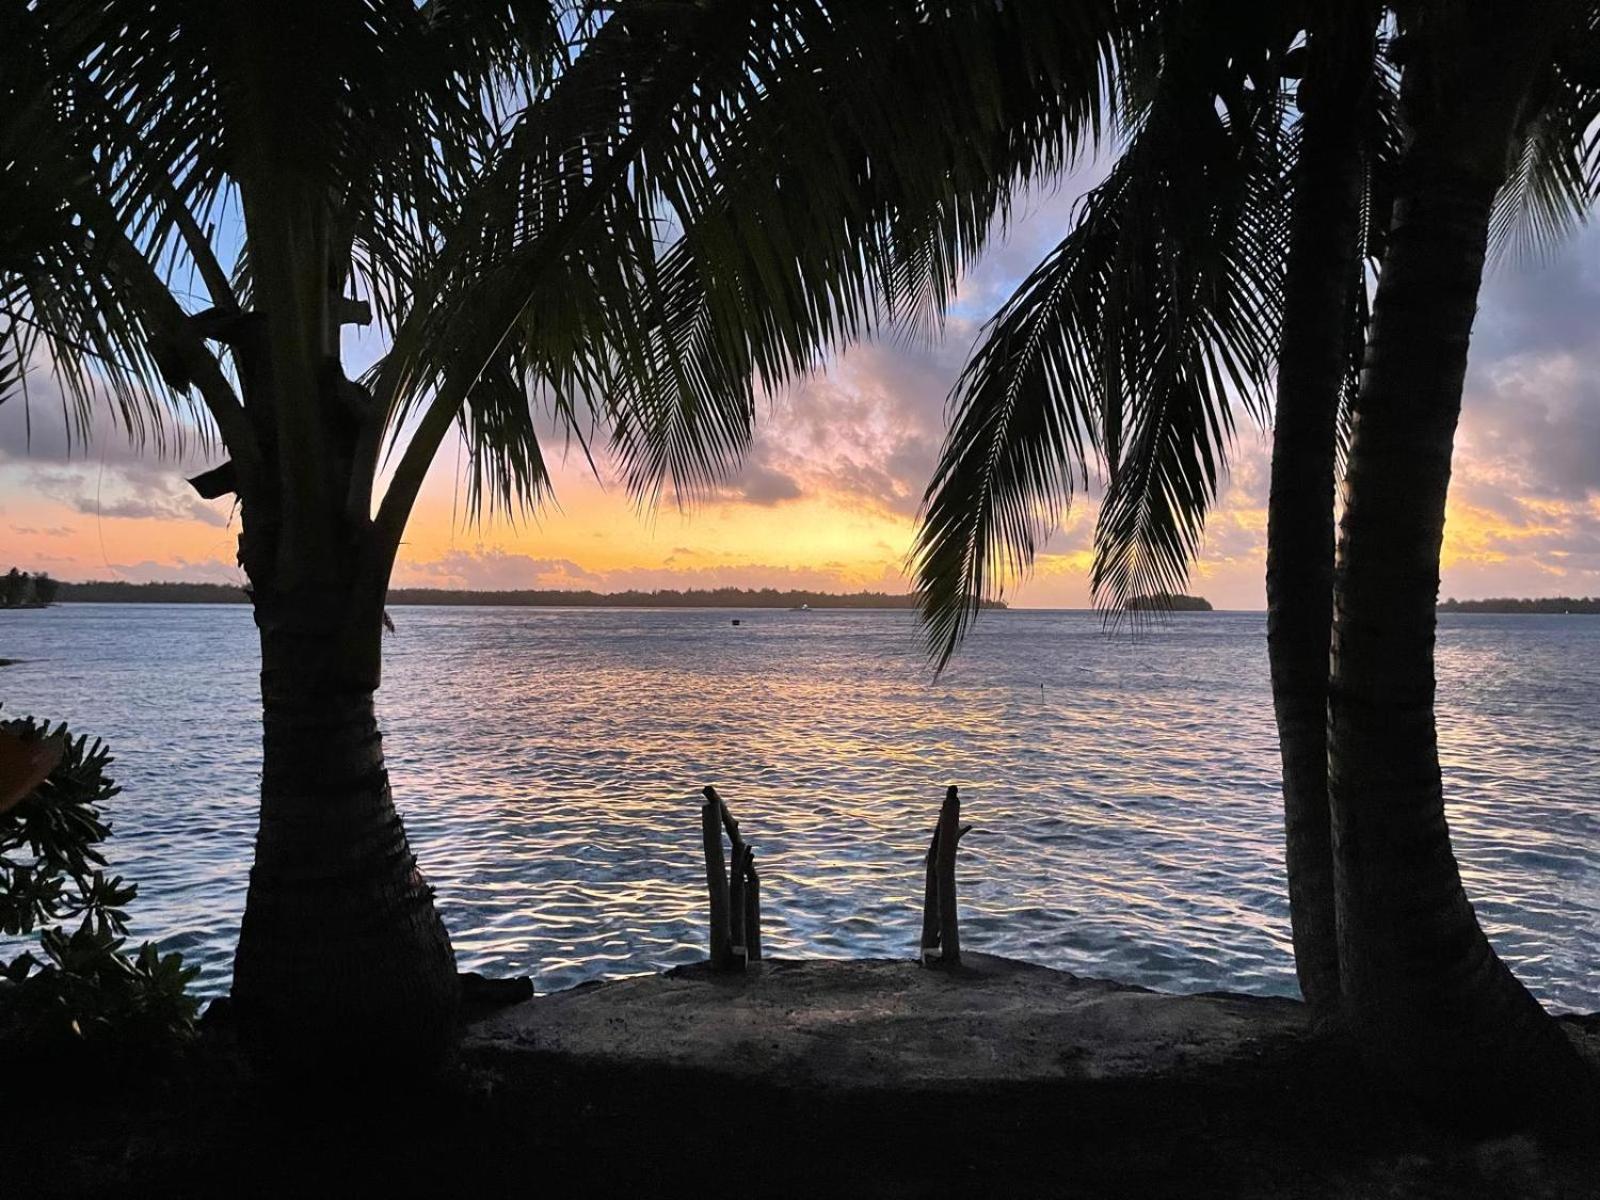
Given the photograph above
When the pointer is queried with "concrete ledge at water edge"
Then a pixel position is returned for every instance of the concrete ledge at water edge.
(876, 1023)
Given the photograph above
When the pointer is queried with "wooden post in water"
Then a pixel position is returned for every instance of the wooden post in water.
(716, 883)
(737, 885)
(740, 949)
(929, 946)
(752, 907)
(941, 933)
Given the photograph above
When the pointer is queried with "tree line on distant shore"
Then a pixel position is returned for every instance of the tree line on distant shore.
(1508, 604)
(18, 589)
(40, 589)
(122, 592)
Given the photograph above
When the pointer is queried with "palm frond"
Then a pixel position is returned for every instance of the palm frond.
(1126, 349)
(60, 306)
(1550, 188)
(783, 177)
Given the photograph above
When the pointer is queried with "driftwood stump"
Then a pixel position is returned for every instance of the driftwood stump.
(734, 889)
(752, 907)
(716, 884)
(941, 932)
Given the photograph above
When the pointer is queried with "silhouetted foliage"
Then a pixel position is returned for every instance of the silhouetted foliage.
(1167, 602)
(85, 991)
(18, 589)
(1542, 604)
(116, 591)
(13, 588)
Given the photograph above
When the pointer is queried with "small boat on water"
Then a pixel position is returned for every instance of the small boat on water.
(801, 608)
(736, 620)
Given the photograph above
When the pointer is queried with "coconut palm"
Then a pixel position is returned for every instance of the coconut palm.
(1180, 282)
(1157, 315)
(1433, 1000)
(621, 219)
(1344, 146)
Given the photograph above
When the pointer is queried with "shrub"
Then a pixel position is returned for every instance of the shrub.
(85, 990)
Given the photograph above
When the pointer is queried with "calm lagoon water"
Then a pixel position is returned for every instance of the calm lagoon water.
(547, 762)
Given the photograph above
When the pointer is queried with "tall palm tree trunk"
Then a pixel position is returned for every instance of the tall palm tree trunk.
(1427, 995)
(1324, 270)
(343, 965)
(342, 960)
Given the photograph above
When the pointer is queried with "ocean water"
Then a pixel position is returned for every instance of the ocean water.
(548, 764)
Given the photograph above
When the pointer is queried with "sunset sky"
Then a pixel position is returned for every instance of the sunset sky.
(828, 495)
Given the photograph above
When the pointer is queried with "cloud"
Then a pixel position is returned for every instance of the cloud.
(133, 491)
(866, 431)
(767, 486)
(493, 569)
(47, 531)
(35, 429)
(103, 471)
(1041, 218)
(488, 568)
(856, 444)
(172, 570)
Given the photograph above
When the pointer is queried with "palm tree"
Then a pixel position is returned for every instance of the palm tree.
(1178, 286)
(1420, 980)
(1342, 144)
(625, 216)
(1162, 308)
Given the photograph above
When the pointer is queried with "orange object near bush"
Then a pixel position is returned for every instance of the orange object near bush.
(24, 764)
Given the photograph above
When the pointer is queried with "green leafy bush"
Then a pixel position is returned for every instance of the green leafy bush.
(85, 990)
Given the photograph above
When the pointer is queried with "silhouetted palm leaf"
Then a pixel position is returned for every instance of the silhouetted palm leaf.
(785, 245)
(1553, 180)
(1125, 349)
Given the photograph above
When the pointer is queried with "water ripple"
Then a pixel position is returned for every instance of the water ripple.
(547, 764)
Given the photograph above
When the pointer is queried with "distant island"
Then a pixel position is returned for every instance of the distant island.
(1168, 602)
(118, 592)
(18, 589)
(1506, 604)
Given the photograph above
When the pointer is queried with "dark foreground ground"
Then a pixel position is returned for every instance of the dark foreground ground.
(804, 1079)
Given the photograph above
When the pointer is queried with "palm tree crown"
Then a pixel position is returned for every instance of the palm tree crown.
(1129, 349)
(623, 219)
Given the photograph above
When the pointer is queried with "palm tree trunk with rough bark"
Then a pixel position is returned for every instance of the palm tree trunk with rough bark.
(341, 954)
(1430, 1001)
(343, 966)
(1324, 270)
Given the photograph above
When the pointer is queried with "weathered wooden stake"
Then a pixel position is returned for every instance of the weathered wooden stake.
(941, 933)
(716, 883)
(736, 912)
(740, 891)
(929, 946)
(752, 907)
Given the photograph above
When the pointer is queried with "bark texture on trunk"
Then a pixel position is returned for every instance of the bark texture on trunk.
(1324, 271)
(1428, 997)
(343, 963)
